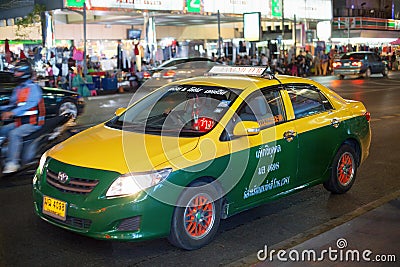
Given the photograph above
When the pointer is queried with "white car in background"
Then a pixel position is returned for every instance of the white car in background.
(176, 69)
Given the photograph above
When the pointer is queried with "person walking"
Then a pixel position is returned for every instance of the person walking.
(393, 61)
(317, 65)
(324, 63)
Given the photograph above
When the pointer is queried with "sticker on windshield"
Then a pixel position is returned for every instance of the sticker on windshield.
(203, 124)
(195, 89)
(224, 104)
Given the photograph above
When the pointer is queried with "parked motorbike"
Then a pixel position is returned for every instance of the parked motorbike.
(34, 145)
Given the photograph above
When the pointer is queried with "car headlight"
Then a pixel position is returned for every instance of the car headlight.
(40, 168)
(132, 183)
(42, 162)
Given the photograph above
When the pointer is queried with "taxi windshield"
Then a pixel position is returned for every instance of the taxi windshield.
(183, 110)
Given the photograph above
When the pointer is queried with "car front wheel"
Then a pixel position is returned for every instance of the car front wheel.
(344, 170)
(68, 106)
(196, 217)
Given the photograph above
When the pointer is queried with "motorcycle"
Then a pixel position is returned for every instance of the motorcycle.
(53, 131)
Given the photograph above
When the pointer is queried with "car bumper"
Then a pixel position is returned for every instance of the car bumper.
(356, 71)
(136, 217)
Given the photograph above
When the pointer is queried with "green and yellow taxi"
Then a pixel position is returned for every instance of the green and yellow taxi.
(193, 152)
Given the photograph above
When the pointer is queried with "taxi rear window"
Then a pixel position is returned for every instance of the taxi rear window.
(184, 110)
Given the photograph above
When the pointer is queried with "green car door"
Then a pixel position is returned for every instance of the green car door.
(268, 159)
(320, 131)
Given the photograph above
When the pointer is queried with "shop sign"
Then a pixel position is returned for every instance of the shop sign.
(276, 8)
(74, 3)
(237, 6)
(252, 26)
(310, 9)
(193, 6)
(309, 36)
(127, 4)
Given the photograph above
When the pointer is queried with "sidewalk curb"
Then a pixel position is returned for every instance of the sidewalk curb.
(315, 231)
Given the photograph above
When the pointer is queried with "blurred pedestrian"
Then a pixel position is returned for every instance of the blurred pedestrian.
(393, 61)
(324, 63)
(264, 60)
(293, 66)
(317, 65)
(79, 83)
(254, 60)
(246, 60)
(238, 60)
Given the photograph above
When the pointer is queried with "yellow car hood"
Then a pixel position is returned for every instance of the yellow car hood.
(110, 149)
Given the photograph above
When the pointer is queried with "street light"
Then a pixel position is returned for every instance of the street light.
(283, 25)
(219, 35)
(83, 13)
(84, 39)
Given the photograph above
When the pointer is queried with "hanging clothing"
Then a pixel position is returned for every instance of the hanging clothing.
(126, 63)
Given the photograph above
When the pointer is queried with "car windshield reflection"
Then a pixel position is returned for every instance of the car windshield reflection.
(186, 110)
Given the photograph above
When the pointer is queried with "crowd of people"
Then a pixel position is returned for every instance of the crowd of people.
(303, 64)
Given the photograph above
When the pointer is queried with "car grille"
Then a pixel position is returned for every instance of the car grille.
(79, 223)
(74, 185)
(130, 224)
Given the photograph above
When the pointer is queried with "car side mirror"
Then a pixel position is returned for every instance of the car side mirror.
(246, 128)
(119, 111)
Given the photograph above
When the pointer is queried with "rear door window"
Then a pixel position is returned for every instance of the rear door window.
(307, 100)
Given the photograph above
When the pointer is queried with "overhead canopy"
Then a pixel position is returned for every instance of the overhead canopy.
(397, 42)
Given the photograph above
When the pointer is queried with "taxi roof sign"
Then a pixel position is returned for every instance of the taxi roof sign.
(238, 70)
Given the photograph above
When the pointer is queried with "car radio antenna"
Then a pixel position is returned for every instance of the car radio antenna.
(269, 74)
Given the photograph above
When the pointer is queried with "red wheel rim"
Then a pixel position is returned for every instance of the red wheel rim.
(199, 216)
(345, 169)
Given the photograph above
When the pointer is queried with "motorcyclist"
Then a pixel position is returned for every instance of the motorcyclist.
(27, 109)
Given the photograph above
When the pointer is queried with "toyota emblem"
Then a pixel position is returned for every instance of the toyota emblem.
(62, 177)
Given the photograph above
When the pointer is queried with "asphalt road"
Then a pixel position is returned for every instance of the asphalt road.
(26, 240)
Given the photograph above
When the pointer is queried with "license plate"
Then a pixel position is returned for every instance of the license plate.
(55, 208)
(346, 64)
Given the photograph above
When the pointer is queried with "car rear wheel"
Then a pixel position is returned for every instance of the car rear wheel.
(367, 73)
(385, 71)
(196, 217)
(344, 170)
(68, 106)
(341, 77)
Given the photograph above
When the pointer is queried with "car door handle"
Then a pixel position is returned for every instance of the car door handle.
(289, 135)
(335, 122)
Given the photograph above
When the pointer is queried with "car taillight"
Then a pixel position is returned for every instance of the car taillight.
(337, 64)
(367, 116)
(146, 75)
(356, 63)
(169, 74)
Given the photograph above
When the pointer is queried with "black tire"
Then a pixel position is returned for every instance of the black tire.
(341, 77)
(68, 106)
(385, 72)
(201, 225)
(367, 73)
(344, 170)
